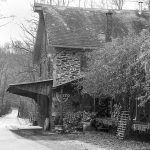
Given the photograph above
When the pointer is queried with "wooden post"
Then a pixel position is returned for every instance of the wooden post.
(111, 107)
(94, 104)
(50, 107)
(108, 27)
(61, 99)
(50, 112)
(136, 108)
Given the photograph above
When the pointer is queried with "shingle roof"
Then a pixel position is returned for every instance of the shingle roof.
(83, 28)
(74, 26)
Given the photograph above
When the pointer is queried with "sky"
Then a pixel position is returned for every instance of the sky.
(21, 10)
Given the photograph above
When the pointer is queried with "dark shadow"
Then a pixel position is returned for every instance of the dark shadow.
(39, 134)
(27, 132)
(140, 136)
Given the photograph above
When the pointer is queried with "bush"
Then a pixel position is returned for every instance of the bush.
(73, 121)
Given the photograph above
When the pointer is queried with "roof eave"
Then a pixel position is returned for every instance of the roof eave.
(76, 47)
(35, 82)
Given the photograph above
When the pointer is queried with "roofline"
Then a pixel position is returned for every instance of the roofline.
(42, 81)
(77, 47)
(39, 7)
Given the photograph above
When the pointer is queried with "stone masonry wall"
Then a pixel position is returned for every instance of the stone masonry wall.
(66, 66)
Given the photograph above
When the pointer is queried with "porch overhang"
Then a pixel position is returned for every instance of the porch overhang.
(31, 89)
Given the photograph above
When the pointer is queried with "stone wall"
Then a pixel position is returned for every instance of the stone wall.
(66, 66)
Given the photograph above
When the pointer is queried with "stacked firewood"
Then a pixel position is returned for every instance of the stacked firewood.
(74, 121)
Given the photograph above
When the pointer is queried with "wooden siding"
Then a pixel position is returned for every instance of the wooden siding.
(36, 88)
(39, 39)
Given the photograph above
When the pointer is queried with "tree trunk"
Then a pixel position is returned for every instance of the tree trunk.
(94, 103)
(149, 5)
(4, 88)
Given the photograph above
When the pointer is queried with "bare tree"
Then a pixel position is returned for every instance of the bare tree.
(148, 4)
(29, 71)
(6, 73)
(61, 2)
(3, 79)
(118, 4)
(25, 48)
(4, 20)
(92, 3)
(103, 4)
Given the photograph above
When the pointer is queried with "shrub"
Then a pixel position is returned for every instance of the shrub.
(73, 121)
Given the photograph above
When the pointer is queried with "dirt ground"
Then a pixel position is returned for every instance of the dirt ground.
(34, 138)
(88, 141)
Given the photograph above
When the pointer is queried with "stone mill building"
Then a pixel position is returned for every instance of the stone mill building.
(65, 36)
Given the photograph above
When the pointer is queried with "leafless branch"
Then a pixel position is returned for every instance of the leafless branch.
(27, 31)
(118, 3)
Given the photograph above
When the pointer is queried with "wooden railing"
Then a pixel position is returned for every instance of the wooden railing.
(141, 126)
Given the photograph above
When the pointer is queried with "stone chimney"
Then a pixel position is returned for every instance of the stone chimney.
(140, 7)
(108, 36)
